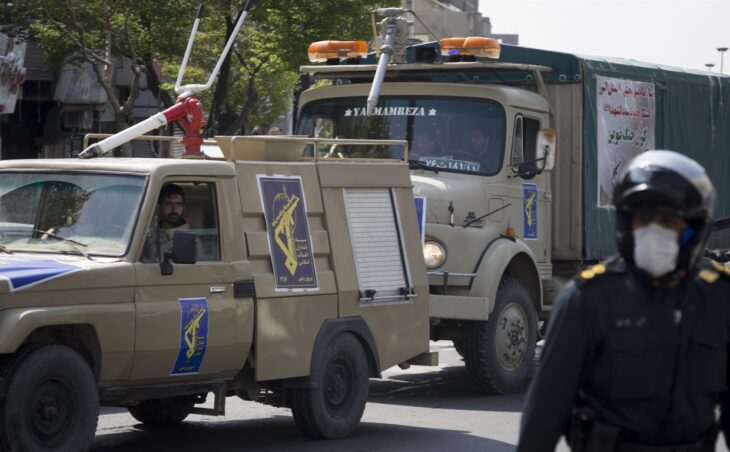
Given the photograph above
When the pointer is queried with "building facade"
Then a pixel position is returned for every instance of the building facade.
(452, 18)
(46, 112)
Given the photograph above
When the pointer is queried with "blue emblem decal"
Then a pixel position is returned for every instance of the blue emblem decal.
(22, 272)
(421, 215)
(287, 227)
(193, 335)
(529, 211)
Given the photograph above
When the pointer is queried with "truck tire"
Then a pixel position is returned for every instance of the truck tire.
(51, 401)
(163, 412)
(500, 351)
(334, 407)
(460, 347)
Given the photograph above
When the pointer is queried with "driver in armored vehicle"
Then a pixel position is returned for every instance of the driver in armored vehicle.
(172, 208)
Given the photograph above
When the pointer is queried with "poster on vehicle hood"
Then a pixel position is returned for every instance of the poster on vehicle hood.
(626, 124)
(12, 72)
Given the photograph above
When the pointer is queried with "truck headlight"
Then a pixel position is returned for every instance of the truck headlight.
(434, 255)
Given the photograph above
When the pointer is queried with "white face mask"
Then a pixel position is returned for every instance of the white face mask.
(656, 249)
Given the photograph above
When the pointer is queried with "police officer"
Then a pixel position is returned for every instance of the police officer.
(636, 352)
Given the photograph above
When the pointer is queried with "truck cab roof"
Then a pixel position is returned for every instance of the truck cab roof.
(147, 166)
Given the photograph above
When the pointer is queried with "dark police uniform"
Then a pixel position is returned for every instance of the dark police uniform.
(646, 366)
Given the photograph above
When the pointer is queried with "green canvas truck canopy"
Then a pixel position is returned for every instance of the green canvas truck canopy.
(691, 116)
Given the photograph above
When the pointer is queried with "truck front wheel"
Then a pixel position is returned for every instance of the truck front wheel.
(50, 402)
(334, 407)
(500, 351)
(169, 411)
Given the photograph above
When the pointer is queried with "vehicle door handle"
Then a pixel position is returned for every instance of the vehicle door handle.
(217, 289)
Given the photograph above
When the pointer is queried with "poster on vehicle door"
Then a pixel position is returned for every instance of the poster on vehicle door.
(193, 336)
(625, 128)
(287, 227)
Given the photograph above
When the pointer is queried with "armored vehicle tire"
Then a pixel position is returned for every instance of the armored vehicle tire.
(169, 411)
(50, 402)
(500, 351)
(334, 407)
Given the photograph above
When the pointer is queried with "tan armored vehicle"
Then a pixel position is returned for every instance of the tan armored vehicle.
(149, 283)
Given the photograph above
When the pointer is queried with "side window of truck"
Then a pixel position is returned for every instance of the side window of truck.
(184, 206)
(524, 151)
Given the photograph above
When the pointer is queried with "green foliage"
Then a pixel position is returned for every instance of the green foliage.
(291, 25)
(128, 27)
(265, 61)
(273, 45)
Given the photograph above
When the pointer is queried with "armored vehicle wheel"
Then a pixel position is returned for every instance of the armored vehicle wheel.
(333, 409)
(500, 351)
(169, 411)
(50, 402)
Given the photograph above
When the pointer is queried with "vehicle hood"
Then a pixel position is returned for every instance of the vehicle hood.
(23, 273)
(442, 189)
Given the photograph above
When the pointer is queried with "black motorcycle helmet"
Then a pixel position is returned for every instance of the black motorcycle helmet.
(668, 183)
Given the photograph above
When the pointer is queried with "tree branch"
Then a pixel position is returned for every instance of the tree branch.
(89, 55)
(134, 67)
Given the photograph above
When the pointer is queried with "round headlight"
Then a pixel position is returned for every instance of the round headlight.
(433, 254)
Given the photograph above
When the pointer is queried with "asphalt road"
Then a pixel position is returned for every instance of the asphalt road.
(419, 409)
(422, 408)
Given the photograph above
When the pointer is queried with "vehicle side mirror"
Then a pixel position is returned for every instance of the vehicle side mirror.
(546, 144)
(183, 251)
(183, 247)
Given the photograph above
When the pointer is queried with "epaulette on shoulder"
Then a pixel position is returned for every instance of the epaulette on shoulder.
(713, 272)
(592, 273)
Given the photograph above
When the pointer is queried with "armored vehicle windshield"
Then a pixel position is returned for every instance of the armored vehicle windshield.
(68, 212)
(458, 135)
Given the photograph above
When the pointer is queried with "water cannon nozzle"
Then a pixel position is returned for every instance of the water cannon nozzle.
(390, 11)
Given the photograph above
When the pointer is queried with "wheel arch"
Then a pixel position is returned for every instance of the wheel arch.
(81, 338)
(329, 329)
(506, 257)
(523, 268)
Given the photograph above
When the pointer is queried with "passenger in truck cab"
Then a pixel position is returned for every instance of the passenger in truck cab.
(482, 152)
(426, 145)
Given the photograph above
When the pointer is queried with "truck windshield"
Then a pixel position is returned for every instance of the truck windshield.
(95, 212)
(452, 134)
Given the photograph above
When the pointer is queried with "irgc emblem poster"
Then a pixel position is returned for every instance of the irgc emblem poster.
(285, 212)
(529, 211)
(193, 335)
(626, 127)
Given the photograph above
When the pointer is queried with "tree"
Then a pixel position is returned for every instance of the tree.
(263, 71)
(100, 33)
(255, 84)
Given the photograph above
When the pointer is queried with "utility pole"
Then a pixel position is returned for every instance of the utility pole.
(411, 25)
(710, 66)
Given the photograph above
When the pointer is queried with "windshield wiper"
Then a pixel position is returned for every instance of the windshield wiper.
(474, 220)
(76, 245)
(417, 164)
(5, 249)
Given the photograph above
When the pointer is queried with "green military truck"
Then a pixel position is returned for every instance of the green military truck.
(291, 283)
(515, 156)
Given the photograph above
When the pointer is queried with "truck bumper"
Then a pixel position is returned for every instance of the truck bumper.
(459, 307)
